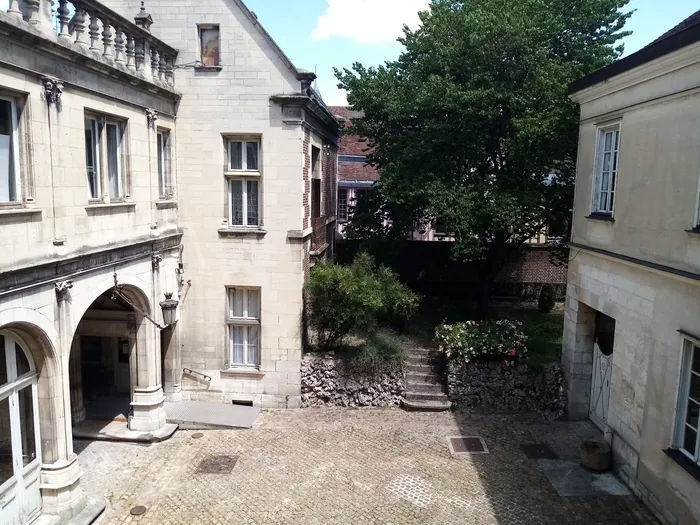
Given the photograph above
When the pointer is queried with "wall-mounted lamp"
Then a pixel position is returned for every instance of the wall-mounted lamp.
(169, 307)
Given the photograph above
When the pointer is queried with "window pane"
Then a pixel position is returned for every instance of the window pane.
(603, 201)
(689, 440)
(253, 345)
(26, 419)
(235, 153)
(6, 470)
(161, 164)
(8, 191)
(343, 204)
(692, 413)
(604, 181)
(237, 344)
(236, 198)
(254, 304)
(251, 156)
(91, 158)
(696, 359)
(694, 391)
(22, 362)
(606, 161)
(114, 160)
(236, 298)
(3, 362)
(252, 201)
(210, 46)
(608, 141)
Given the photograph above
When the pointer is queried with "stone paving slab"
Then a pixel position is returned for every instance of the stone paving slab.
(195, 415)
(345, 466)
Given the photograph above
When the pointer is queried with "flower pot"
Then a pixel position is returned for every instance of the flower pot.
(596, 456)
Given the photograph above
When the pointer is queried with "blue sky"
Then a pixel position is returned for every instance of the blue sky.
(321, 34)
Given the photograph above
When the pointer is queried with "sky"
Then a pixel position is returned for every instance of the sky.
(319, 35)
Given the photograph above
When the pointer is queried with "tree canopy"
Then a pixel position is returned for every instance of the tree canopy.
(472, 124)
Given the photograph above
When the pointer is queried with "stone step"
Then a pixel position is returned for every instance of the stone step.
(422, 351)
(421, 359)
(422, 368)
(423, 377)
(425, 406)
(428, 387)
(425, 396)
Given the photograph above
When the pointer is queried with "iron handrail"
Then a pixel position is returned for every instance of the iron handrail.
(191, 372)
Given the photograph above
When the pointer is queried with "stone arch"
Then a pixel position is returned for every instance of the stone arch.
(38, 344)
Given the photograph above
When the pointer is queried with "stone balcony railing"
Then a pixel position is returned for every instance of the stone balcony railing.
(99, 31)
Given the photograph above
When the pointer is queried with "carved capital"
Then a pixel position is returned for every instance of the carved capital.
(151, 116)
(62, 288)
(53, 88)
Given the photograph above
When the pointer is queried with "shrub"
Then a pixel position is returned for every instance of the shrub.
(381, 348)
(485, 340)
(343, 299)
(545, 304)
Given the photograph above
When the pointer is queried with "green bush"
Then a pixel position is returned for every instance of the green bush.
(355, 298)
(381, 348)
(547, 298)
(485, 340)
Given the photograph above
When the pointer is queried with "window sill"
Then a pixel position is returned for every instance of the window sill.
(208, 68)
(253, 373)
(19, 212)
(165, 205)
(684, 462)
(299, 234)
(241, 232)
(695, 230)
(604, 217)
(253, 174)
(126, 206)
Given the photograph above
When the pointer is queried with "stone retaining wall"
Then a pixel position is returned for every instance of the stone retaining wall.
(502, 387)
(328, 381)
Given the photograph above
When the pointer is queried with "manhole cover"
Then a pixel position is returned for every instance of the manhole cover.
(466, 445)
(198, 435)
(138, 510)
(217, 465)
(538, 451)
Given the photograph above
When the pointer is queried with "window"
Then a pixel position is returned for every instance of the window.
(689, 406)
(243, 202)
(10, 185)
(165, 189)
(315, 198)
(244, 326)
(343, 204)
(104, 139)
(243, 155)
(92, 157)
(606, 170)
(209, 45)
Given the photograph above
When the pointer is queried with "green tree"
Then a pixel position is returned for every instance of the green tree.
(473, 124)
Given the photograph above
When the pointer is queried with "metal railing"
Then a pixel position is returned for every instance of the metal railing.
(190, 372)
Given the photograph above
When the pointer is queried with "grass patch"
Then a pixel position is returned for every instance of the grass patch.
(381, 349)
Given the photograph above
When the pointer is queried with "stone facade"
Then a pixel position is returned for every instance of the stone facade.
(495, 385)
(328, 381)
(637, 270)
(256, 93)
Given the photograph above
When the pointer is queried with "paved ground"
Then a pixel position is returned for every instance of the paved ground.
(325, 467)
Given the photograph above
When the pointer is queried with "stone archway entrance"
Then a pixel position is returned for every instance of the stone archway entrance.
(20, 453)
(100, 361)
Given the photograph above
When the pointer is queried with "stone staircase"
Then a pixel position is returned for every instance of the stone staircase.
(425, 388)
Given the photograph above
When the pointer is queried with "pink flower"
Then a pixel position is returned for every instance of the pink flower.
(441, 349)
(512, 352)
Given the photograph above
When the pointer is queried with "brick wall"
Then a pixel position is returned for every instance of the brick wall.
(306, 199)
(536, 266)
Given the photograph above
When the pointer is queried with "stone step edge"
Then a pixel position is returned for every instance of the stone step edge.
(425, 406)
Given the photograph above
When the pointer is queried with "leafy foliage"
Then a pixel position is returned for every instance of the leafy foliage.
(547, 299)
(382, 348)
(358, 297)
(472, 125)
(503, 339)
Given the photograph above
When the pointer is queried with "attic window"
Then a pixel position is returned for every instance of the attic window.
(209, 54)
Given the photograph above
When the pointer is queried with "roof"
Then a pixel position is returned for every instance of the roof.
(344, 112)
(684, 34)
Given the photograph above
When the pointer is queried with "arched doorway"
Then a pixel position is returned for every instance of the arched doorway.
(20, 454)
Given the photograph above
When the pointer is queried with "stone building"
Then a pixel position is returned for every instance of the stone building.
(132, 171)
(632, 331)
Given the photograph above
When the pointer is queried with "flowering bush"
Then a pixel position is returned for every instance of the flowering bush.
(487, 340)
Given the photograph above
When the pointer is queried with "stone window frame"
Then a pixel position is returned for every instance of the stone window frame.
(690, 358)
(124, 165)
(243, 175)
(245, 321)
(609, 209)
(24, 178)
(164, 153)
(343, 209)
(200, 51)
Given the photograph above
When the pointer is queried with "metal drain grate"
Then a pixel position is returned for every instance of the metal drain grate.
(217, 465)
(538, 451)
(461, 445)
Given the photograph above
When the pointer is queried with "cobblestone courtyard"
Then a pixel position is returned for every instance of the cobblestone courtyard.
(347, 467)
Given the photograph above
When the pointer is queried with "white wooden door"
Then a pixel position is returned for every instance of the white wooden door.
(600, 387)
(20, 461)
